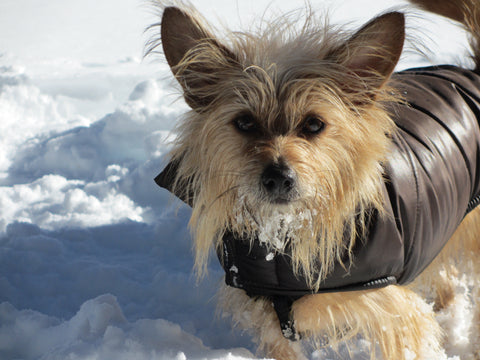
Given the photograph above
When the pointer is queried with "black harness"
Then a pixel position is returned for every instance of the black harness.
(255, 270)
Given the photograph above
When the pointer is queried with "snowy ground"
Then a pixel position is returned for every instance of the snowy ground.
(94, 261)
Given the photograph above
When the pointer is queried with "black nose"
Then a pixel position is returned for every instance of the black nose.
(279, 181)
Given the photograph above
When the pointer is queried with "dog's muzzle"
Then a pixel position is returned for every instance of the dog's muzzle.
(279, 182)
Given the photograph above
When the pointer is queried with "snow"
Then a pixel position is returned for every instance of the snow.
(95, 260)
(99, 330)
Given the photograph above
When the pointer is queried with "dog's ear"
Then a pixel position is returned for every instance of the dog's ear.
(373, 51)
(194, 55)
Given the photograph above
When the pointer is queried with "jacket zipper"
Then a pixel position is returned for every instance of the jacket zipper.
(473, 204)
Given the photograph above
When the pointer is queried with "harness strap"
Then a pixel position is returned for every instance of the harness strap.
(283, 308)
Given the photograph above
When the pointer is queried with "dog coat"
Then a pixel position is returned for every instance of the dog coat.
(432, 180)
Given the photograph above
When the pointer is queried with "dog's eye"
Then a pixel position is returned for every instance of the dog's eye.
(245, 123)
(312, 125)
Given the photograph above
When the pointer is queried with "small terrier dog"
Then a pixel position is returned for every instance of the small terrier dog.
(302, 143)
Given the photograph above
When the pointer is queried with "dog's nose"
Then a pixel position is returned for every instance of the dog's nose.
(279, 181)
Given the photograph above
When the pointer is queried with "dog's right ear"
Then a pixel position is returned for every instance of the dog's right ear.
(180, 33)
(196, 58)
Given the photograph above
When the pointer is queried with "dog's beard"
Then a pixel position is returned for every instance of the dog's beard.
(282, 226)
(309, 230)
(272, 225)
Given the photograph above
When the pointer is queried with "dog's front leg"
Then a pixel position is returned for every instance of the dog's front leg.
(394, 318)
(257, 316)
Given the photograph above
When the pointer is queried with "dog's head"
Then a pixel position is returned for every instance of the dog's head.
(287, 130)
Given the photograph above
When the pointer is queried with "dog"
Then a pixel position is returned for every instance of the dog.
(340, 197)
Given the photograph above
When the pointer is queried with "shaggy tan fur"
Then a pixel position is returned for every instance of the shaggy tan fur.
(394, 317)
(278, 78)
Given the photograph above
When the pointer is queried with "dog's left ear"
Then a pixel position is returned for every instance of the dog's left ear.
(373, 51)
(195, 56)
